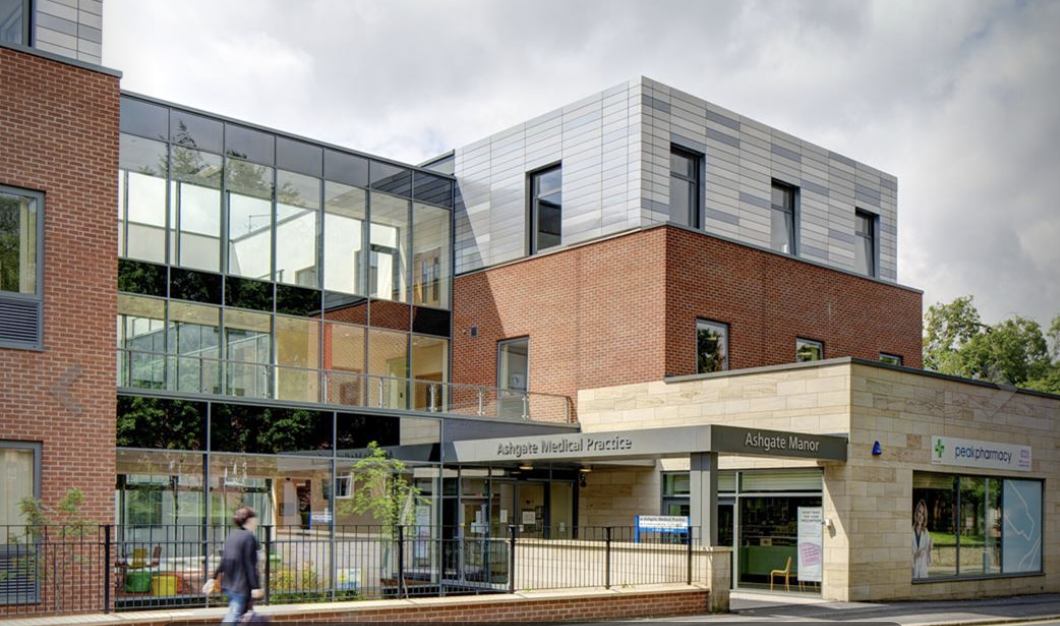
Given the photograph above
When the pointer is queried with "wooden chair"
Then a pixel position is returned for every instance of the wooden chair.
(786, 573)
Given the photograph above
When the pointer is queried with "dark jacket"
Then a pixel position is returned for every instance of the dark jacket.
(239, 563)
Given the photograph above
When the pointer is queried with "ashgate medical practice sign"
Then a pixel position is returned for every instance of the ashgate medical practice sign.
(980, 454)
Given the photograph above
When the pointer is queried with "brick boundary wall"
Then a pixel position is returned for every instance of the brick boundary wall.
(573, 606)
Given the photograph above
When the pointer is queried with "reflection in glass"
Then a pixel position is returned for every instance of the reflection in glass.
(808, 350)
(195, 219)
(141, 324)
(249, 192)
(1021, 528)
(13, 21)
(290, 494)
(344, 220)
(148, 279)
(782, 219)
(142, 197)
(865, 243)
(980, 526)
(298, 355)
(161, 423)
(388, 360)
(431, 271)
(194, 337)
(247, 346)
(160, 502)
(546, 204)
(712, 346)
(389, 241)
(344, 360)
(18, 243)
(297, 225)
(430, 365)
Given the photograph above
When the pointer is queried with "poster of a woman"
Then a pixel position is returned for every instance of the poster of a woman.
(921, 540)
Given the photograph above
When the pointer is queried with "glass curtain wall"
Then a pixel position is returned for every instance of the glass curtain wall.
(268, 253)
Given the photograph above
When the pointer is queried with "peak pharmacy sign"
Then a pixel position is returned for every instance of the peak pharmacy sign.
(980, 454)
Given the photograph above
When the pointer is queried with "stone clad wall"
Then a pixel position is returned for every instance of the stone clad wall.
(868, 499)
(903, 410)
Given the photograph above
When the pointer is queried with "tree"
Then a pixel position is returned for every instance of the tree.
(947, 327)
(382, 490)
(1014, 351)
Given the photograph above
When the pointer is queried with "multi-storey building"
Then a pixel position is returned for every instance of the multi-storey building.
(198, 313)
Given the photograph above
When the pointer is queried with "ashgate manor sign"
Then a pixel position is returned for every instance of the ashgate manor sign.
(653, 443)
(769, 443)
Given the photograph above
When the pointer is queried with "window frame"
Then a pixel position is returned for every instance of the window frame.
(874, 235)
(711, 322)
(28, 23)
(695, 212)
(794, 235)
(500, 346)
(38, 297)
(818, 342)
(891, 355)
(38, 448)
(534, 212)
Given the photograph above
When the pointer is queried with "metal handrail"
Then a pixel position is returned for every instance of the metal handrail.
(486, 399)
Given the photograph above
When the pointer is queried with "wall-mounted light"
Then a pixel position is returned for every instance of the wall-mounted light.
(581, 480)
(526, 467)
(585, 469)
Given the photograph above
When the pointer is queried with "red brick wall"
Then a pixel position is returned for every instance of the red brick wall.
(623, 310)
(59, 135)
(604, 606)
(594, 315)
(769, 300)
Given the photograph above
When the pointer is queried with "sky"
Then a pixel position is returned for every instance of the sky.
(960, 100)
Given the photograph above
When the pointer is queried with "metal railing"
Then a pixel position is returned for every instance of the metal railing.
(206, 375)
(72, 569)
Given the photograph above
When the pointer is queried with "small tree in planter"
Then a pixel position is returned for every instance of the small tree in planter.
(56, 529)
(381, 490)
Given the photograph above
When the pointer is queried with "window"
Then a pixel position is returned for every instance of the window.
(388, 238)
(808, 350)
(297, 225)
(431, 250)
(143, 165)
(249, 191)
(14, 22)
(712, 346)
(546, 208)
(865, 243)
(21, 271)
(975, 526)
(513, 364)
(676, 490)
(19, 478)
(684, 187)
(195, 210)
(890, 359)
(782, 219)
(345, 209)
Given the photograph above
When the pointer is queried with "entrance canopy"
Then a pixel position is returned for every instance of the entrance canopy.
(651, 443)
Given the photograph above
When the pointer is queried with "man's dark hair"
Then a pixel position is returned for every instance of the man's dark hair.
(242, 515)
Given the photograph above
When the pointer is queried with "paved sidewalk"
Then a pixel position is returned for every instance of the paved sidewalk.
(770, 608)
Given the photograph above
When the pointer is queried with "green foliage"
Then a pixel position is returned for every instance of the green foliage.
(1014, 351)
(159, 424)
(67, 512)
(381, 490)
(711, 358)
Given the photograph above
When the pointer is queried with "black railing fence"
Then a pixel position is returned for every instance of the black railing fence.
(71, 569)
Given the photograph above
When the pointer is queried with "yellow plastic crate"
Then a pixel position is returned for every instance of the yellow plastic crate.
(164, 585)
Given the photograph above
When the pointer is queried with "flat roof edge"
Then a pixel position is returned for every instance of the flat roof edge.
(852, 360)
(282, 133)
(51, 56)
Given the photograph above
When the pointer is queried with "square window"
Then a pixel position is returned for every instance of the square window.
(712, 346)
(808, 350)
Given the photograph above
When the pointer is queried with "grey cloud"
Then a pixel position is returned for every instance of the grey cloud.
(959, 100)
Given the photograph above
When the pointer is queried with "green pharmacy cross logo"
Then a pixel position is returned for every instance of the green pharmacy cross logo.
(939, 448)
